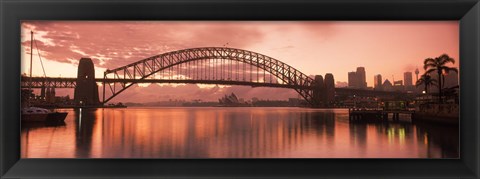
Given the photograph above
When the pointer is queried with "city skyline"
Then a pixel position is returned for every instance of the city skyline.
(238, 89)
(315, 48)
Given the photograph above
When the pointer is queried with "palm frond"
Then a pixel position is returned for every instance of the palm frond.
(431, 70)
(429, 62)
(445, 59)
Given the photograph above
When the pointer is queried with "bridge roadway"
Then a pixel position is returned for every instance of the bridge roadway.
(39, 82)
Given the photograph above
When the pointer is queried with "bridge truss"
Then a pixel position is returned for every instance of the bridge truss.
(209, 65)
(43, 82)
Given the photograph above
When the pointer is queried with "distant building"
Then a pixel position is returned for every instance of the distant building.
(357, 79)
(408, 81)
(398, 85)
(407, 78)
(377, 80)
(352, 80)
(361, 75)
(387, 85)
(229, 99)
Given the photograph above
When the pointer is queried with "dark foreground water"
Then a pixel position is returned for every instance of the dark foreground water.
(233, 133)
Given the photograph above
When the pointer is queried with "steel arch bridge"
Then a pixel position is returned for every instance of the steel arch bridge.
(210, 65)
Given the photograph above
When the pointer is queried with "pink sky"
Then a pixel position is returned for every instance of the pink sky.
(338, 47)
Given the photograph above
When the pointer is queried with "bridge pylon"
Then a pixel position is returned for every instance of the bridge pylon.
(323, 91)
(318, 91)
(86, 90)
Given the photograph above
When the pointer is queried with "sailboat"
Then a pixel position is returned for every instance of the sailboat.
(36, 114)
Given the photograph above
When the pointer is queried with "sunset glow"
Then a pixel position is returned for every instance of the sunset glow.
(314, 48)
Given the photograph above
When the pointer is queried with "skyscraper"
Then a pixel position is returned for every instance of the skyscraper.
(408, 81)
(377, 80)
(352, 80)
(407, 78)
(362, 81)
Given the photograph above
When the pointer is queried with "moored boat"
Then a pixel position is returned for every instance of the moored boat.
(34, 114)
(56, 116)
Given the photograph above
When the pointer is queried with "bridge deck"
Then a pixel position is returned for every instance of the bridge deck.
(39, 82)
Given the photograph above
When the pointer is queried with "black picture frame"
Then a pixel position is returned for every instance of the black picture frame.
(13, 11)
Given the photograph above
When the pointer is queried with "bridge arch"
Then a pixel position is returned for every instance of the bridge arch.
(125, 76)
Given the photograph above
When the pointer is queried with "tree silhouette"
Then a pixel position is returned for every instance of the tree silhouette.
(439, 65)
(427, 81)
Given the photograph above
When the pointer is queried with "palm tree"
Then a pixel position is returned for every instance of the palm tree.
(439, 65)
(427, 81)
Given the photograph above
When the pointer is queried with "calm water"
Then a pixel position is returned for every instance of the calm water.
(232, 133)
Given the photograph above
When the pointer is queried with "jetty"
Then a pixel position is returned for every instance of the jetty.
(380, 114)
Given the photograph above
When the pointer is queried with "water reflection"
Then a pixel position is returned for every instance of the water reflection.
(232, 133)
(84, 125)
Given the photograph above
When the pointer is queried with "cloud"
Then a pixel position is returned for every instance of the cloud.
(114, 44)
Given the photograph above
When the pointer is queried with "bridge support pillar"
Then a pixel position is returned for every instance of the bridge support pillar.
(329, 90)
(318, 91)
(324, 91)
(86, 91)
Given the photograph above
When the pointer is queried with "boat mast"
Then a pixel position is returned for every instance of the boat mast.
(31, 62)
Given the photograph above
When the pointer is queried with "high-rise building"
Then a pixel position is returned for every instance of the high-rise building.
(356, 79)
(407, 79)
(377, 80)
(361, 75)
(352, 80)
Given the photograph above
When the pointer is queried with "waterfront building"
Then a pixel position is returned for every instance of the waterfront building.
(229, 99)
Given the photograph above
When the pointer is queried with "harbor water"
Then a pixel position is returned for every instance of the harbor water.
(233, 132)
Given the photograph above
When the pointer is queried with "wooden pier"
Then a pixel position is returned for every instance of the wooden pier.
(376, 115)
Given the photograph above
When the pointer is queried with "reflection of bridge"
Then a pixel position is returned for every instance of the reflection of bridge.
(211, 65)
